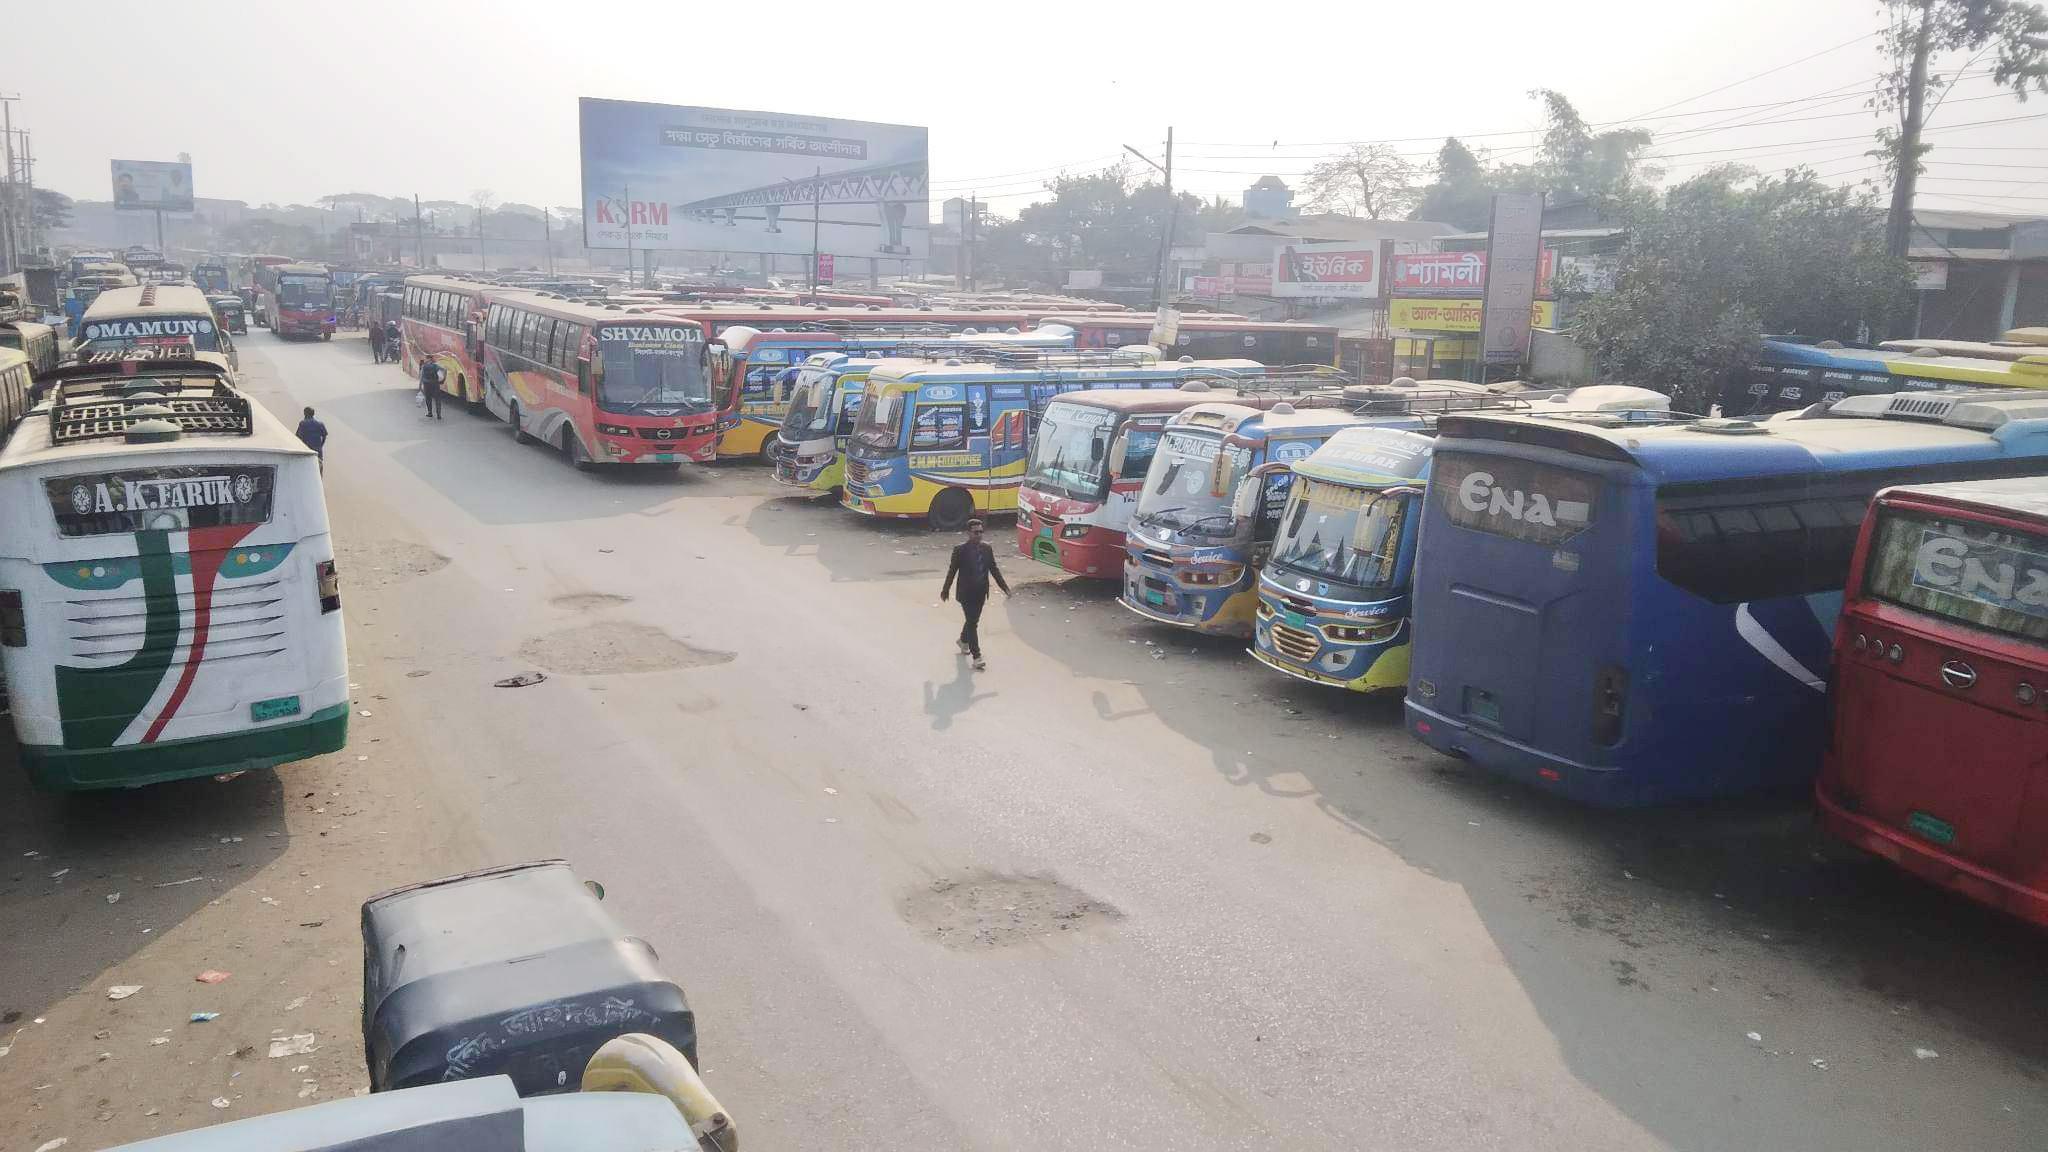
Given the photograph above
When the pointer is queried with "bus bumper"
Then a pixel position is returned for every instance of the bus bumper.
(59, 769)
(1097, 552)
(1929, 863)
(1584, 783)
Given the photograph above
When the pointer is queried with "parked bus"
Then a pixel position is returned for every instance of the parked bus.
(36, 341)
(944, 439)
(765, 363)
(298, 299)
(1940, 698)
(1334, 595)
(211, 277)
(168, 598)
(2014, 344)
(1194, 549)
(1634, 614)
(438, 320)
(1209, 337)
(810, 448)
(601, 385)
(151, 316)
(1788, 375)
(17, 388)
(1089, 456)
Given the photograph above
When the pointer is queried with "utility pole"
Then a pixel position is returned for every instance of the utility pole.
(10, 244)
(547, 240)
(483, 258)
(28, 179)
(419, 236)
(1159, 288)
(627, 201)
(817, 193)
(970, 229)
(1898, 224)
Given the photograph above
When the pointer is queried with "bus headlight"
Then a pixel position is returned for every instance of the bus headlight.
(330, 586)
(614, 429)
(1367, 634)
(1210, 579)
(1073, 531)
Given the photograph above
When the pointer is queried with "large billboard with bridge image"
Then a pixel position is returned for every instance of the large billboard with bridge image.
(669, 177)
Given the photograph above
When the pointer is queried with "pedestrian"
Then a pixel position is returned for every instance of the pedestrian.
(431, 379)
(974, 563)
(313, 434)
(394, 346)
(376, 344)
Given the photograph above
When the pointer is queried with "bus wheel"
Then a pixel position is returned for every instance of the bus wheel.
(572, 450)
(950, 510)
(326, 335)
(768, 452)
(519, 435)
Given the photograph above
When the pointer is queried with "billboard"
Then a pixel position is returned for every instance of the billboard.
(1454, 273)
(1430, 315)
(1514, 250)
(722, 180)
(161, 185)
(1348, 268)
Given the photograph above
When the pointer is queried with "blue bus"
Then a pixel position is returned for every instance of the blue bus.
(1788, 375)
(1629, 613)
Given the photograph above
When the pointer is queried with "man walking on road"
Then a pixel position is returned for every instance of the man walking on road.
(431, 379)
(376, 343)
(974, 564)
(313, 434)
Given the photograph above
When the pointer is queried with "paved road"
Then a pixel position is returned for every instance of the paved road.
(1122, 889)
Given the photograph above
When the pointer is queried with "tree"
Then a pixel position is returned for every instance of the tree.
(50, 210)
(1369, 180)
(1719, 260)
(1098, 221)
(1915, 32)
(1462, 193)
(1575, 160)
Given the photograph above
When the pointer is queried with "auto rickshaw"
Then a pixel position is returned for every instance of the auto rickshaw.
(233, 314)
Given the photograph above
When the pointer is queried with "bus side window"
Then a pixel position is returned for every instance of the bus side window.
(939, 428)
(1140, 444)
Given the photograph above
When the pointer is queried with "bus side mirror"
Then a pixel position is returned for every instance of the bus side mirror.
(1244, 503)
(1117, 452)
(583, 375)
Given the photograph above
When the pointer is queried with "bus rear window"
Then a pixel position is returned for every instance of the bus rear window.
(1962, 571)
(1519, 499)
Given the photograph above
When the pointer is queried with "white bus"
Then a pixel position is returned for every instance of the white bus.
(168, 598)
(121, 320)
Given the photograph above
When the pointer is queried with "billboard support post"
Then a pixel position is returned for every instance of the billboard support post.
(160, 234)
(419, 236)
(817, 194)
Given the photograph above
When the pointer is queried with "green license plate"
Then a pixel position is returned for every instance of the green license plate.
(1156, 599)
(1294, 619)
(1937, 830)
(272, 709)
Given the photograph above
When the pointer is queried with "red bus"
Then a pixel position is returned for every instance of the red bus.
(602, 385)
(1939, 747)
(1208, 337)
(439, 318)
(298, 299)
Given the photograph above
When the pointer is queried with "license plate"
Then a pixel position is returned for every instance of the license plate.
(1156, 599)
(272, 709)
(1294, 619)
(665, 458)
(1932, 828)
(1482, 705)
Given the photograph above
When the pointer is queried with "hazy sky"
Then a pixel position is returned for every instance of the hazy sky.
(279, 102)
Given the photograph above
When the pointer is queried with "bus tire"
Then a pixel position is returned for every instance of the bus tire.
(572, 450)
(519, 435)
(950, 510)
(767, 454)
(326, 335)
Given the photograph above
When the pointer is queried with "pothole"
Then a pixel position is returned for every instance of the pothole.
(589, 601)
(615, 646)
(985, 910)
(383, 561)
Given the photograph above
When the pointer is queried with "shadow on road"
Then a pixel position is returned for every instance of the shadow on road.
(849, 546)
(62, 856)
(943, 702)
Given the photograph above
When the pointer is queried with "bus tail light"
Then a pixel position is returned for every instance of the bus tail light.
(13, 622)
(1073, 531)
(330, 586)
(1610, 704)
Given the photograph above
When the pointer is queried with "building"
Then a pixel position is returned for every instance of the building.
(1269, 199)
(1978, 274)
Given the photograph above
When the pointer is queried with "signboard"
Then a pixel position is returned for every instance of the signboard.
(1456, 315)
(173, 499)
(1456, 273)
(1930, 275)
(153, 185)
(1345, 268)
(720, 180)
(1165, 327)
(1084, 277)
(1514, 249)
(824, 268)
(1252, 279)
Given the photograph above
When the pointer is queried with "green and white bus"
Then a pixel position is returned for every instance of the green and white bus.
(168, 598)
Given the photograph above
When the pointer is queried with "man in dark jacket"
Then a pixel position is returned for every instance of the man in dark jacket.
(974, 565)
(431, 378)
(313, 434)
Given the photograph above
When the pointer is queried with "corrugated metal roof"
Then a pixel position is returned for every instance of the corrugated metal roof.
(1335, 226)
(1944, 218)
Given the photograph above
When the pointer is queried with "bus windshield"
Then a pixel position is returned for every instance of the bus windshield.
(810, 408)
(1181, 487)
(1351, 535)
(881, 419)
(1072, 450)
(300, 293)
(1965, 572)
(652, 366)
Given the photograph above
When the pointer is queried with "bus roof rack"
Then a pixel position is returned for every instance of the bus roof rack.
(144, 359)
(1011, 357)
(108, 407)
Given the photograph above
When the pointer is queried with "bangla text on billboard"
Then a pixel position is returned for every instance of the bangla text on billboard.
(1345, 268)
(1455, 315)
(727, 180)
(1454, 273)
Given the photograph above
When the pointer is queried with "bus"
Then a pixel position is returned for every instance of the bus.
(150, 316)
(600, 385)
(765, 363)
(298, 299)
(1089, 456)
(438, 321)
(1940, 699)
(1631, 613)
(1210, 504)
(1334, 595)
(2013, 344)
(1788, 375)
(824, 402)
(211, 277)
(169, 605)
(1209, 337)
(17, 388)
(943, 439)
(36, 341)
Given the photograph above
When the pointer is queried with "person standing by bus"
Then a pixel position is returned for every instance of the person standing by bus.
(974, 564)
(431, 378)
(376, 343)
